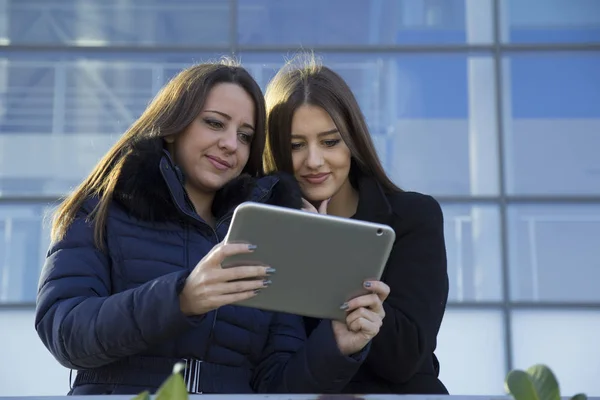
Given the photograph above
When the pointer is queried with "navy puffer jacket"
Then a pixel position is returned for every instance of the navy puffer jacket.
(114, 315)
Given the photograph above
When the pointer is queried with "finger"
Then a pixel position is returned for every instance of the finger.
(364, 326)
(379, 288)
(364, 313)
(244, 272)
(227, 250)
(308, 206)
(233, 298)
(371, 301)
(323, 206)
(236, 287)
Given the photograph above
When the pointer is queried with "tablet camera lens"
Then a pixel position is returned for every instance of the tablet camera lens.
(379, 232)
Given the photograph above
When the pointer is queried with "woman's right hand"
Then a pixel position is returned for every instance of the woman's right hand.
(209, 286)
(307, 206)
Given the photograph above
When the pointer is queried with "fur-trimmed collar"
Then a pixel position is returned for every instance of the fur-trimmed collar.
(152, 194)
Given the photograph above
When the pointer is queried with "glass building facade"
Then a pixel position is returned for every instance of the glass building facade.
(491, 106)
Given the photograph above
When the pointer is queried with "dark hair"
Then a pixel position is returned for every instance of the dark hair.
(308, 82)
(175, 106)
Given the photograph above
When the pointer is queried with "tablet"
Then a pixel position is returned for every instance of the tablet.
(321, 261)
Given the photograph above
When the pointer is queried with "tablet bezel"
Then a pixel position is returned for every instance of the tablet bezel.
(291, 239)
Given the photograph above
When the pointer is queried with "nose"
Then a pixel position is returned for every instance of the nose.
(229, 141)
(315, 158)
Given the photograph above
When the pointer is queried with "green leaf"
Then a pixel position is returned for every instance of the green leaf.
(172, 389)
(545, 382)
(520, 385)
(145, 395)
(579, 396)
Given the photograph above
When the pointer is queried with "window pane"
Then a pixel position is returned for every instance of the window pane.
(464, 346)
(554, 252)
(566, 341)
(551, 21)
(358, 22)
(473, 250)
(67, 111)
(552, 123)
(24, 239)
(432, 115)
(117, 22)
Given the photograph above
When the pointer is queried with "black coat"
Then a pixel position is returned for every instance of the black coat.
(402, 360)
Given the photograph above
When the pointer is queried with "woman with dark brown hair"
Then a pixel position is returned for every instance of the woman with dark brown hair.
(132, 282)
(316, 131)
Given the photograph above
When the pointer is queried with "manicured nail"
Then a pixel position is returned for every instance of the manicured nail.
(257, 291)
(251, 247)
(367, 284)
(270, 271)
(344, 306)
(267, 282)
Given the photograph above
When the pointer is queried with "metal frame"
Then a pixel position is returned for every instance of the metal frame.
(497, 49)
(234, 48)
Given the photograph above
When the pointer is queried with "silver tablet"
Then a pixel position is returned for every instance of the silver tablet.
(321, 261)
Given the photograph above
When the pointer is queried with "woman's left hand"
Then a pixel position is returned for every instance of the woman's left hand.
(363, 319)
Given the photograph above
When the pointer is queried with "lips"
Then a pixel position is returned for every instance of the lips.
(316, 179)
(219, 163)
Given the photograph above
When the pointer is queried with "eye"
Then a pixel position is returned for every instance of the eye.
(245, 138)
(297, 145)
(213, 123)
(331, 142)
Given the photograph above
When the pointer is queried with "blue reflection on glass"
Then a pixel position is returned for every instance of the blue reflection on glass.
(553, 21)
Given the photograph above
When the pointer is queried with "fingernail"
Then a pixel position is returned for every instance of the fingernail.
(344, 306)
(367, 284)
(267, 282)
(257, 291)
(270, 271)
(251, 247)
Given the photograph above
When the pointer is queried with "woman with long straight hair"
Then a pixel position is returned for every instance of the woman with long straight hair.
(316, 131)
(133, 283)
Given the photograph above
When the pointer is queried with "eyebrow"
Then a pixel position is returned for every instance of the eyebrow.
(228, 117)
(326, 133)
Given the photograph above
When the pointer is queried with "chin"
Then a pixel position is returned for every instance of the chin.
(212, 183)
(317, 195)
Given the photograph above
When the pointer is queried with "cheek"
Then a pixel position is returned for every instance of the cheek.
(297, 161)
(244, 155)
(341, 158)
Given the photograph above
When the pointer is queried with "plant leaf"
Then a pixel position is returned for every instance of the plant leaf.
(545, 382)
(145, 395)
(579, 396)
(520, 385)
(172, 388)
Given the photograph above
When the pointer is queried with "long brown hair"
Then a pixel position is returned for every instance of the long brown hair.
(175, 106)
(303, 80)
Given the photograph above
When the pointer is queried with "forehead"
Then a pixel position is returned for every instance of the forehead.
(231, 99)
(311, 120)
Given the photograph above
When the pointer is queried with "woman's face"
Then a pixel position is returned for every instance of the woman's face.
(320, 157)
(215, 147)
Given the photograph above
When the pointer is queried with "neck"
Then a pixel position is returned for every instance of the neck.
(202, 203)
(345, 202)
